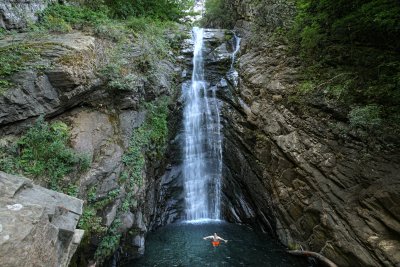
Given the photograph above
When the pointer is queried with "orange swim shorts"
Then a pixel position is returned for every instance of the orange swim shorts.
(215, 243)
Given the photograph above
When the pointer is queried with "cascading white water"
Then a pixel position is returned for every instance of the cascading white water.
(202, 164)
(236, 50)
(233, 75)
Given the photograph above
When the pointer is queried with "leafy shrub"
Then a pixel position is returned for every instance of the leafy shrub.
(8, 163)
(164, 10)
(109, 243)
(350, 48)
(90, 222)
(368, 117)
(365, 21)
(111, 30)
(44, 155)
(129, 82)
(56, 24)
(311, 38)
(217, 14)
(71, 16)
(132, 63)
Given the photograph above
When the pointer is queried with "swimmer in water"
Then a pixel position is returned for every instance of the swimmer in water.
(215, 239)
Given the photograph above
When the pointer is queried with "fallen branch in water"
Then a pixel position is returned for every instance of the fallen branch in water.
(316, 255)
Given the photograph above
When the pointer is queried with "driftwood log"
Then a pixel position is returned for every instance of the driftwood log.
(316, 255)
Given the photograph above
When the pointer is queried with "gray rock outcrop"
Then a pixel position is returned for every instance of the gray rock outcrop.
(37, 225)
(68, 72)
(17, 14)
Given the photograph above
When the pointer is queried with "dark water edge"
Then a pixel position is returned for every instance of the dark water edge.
(182, 245)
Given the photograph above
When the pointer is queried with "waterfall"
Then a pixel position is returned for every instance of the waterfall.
(236, 50)
(233, 75)
(202, 148)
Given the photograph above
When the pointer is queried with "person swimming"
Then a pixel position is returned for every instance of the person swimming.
(215, 239)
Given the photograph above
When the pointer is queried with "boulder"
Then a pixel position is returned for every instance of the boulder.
(37, 225)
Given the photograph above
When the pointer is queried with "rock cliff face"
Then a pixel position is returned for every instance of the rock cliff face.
(37, 225)
(67, 86)
(17, 14)
(67, 73)
(297, 174)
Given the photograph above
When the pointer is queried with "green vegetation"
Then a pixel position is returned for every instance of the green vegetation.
(109, 243)
(90, 221)
(367, 117)
(140, 43)
(165, 9)
(43, 154)
(149, 140)
(134, 63)
(63, 18)
(350, 55)
(106, 15)
(218, 14)
(144, 28)
(15, 58)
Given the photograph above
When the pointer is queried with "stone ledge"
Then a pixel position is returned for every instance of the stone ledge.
(37, 225)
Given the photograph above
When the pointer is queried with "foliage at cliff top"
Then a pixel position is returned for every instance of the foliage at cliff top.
(218, 14)
(351, 54)
(160, 9)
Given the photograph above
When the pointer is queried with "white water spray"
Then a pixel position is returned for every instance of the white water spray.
(202, 164)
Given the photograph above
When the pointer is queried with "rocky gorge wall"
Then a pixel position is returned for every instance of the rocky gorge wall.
(295, 173)
(292, 173)
(63, 83)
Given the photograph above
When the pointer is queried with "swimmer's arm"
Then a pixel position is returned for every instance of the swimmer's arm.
(208, 237)
(220, 238)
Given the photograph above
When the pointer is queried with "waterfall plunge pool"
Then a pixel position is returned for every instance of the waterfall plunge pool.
(183, 245)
